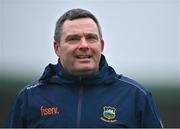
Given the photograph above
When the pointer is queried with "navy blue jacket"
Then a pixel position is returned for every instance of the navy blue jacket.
(106, 99)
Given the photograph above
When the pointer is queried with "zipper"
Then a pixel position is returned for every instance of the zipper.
(79, 105)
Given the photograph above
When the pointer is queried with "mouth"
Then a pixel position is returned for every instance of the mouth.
(83, 56)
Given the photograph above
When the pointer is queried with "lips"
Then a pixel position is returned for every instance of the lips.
(83, 56)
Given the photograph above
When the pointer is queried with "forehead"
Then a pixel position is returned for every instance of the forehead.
(77, 26)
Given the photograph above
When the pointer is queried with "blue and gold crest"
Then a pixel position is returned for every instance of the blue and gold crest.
(109, 114)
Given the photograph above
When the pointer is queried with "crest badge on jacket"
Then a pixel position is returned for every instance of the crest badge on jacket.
(109, 114)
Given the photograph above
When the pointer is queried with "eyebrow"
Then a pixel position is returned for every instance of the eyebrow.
(77, 36)
(72, 36)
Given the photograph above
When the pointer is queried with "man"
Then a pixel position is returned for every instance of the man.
(82, 90)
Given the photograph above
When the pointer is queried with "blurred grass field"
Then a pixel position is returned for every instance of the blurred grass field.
(166, 97)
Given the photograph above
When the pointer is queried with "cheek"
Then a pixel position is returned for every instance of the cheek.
(66, 53)
(98, 51)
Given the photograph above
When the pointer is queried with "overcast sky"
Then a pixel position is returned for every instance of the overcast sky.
(141, 37)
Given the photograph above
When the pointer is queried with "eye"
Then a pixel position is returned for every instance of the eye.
(92, 38)
(73, 39)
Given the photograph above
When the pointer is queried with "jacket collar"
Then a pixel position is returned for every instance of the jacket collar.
(56, 74)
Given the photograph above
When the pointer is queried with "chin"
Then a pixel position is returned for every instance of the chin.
(86, 71)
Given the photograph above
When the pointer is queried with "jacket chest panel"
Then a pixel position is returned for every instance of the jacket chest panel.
(78, 108)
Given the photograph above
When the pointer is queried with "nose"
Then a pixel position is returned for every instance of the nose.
(83, 44)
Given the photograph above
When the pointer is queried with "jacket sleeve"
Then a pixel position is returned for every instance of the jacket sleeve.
(17, 114)
(149, 115)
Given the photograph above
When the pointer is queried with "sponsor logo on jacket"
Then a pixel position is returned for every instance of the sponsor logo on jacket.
(47, 111)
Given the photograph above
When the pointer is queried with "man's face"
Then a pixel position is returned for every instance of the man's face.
(80, 47)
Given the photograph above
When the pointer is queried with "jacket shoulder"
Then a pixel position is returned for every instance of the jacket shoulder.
(132, 84)
(30, 86)
(33, 84)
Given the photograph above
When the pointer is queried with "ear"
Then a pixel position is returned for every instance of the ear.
(102, 45)
(56, 48)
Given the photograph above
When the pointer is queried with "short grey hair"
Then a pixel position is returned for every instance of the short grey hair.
(72, 15)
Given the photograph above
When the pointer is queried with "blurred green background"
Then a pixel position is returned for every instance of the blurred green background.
(167, 99)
